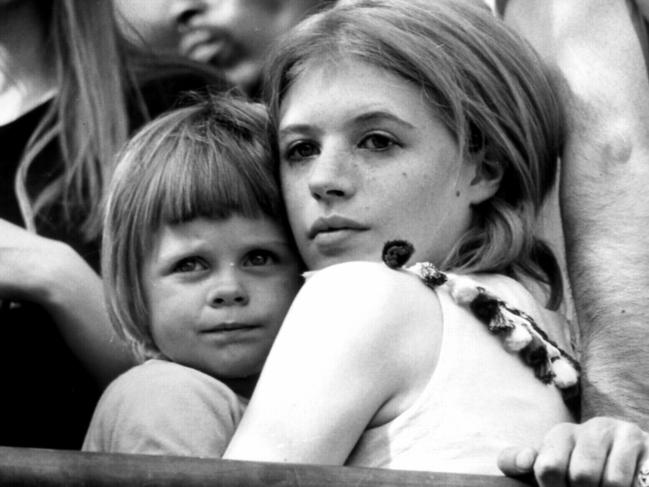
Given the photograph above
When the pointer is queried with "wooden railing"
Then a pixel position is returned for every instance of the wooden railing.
(31, 466)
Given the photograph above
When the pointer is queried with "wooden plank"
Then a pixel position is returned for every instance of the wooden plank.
(31, 466)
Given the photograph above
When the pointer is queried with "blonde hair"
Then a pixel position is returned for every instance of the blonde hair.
(212, 159)
(488, 87)
(97, 76)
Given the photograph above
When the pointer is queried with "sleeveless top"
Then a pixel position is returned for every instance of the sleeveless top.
(479, 400)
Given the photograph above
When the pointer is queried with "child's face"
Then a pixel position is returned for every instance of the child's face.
(217, 292)
(374, 165)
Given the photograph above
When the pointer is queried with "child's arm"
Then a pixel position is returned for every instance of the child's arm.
(596, 53)
(352, 351)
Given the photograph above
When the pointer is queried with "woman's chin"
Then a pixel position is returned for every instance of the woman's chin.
(317, 262)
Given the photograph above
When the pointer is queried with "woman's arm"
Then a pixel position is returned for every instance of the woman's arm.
(51, 273)
(350, 355)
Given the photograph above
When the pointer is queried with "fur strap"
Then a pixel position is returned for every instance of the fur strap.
(518, 331)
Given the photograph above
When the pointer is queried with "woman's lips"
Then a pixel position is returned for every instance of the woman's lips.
(335, 238)
(203, 46)
(331, 235)
(228, 327)
(216, 54)
(332, 226)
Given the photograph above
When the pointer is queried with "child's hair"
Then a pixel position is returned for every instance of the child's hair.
(488, 87)
(212, 159)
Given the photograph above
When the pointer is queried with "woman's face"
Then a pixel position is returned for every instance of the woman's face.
(233, 35)
(364, 160)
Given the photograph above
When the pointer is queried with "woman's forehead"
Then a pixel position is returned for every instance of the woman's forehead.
(349, 86)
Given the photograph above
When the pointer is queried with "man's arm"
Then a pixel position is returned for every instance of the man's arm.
(594, 49)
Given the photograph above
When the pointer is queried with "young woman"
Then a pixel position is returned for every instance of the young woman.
(430, 122)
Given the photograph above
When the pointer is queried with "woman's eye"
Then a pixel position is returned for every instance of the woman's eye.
(259, 258)
(190, 264)
(377, 142)
(301, 150)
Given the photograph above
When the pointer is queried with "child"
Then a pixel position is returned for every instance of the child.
(199, 273)
(434, 123)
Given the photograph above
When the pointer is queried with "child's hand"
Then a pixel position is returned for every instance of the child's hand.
(600, 452)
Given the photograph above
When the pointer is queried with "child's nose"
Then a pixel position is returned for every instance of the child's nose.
(228, 290)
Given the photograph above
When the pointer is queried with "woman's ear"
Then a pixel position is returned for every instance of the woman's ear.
(486, 180)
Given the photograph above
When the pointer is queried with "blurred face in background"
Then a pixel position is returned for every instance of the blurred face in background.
(233, 35)
(149, 23)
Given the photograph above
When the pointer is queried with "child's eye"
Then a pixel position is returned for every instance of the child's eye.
(377, 142)
(190, 264)
(259, 258)
(300, 150)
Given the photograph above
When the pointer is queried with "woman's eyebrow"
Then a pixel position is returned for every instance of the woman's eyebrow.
(380, 115)
(363, 118)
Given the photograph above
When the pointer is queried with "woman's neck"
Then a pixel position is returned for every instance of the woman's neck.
(26, 67)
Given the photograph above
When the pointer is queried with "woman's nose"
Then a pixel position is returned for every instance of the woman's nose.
(331, 177)
(185, 11)
(227, 290)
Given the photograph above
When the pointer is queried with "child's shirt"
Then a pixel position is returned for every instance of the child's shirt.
(164, 408)
(480, 398)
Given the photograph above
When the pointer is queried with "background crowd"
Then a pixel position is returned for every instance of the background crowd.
(79, 78)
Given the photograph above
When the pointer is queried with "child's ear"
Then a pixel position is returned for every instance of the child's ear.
(488, 175)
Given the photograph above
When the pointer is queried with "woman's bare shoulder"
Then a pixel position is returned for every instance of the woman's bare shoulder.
(361, 275)
(366, 299)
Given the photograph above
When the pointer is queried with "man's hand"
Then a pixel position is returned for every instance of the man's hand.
(600, 452)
